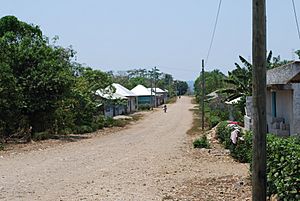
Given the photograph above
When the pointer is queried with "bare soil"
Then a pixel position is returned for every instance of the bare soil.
(150, 160)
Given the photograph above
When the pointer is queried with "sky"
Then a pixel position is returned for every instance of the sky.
(173, 35)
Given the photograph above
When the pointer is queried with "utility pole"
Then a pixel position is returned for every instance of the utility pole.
(151, 98)
(259, 100)
(155, 79)
(203, 94)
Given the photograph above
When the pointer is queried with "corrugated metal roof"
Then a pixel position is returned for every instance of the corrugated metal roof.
(289, 73)
(140, 90)
(107, 94)
(158, 90)
(122, 90)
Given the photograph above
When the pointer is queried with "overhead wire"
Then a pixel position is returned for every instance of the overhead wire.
(214, 32)
(296, 18)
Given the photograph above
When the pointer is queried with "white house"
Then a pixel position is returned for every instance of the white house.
(111, 106)
(131, 97)
(282, 101)
(145, 97)
(160, 95)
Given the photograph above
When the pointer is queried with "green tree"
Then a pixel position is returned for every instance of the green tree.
(214, 80)
(39, 73)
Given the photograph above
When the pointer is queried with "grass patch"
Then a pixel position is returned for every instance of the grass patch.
(196, 126)
(201, 142)
(1, 146)
(172, 100)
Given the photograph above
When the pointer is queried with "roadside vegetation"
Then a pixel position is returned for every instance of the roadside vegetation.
(283, 160)
(226, 101)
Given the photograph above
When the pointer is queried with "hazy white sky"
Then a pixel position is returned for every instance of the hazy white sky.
(173, 35)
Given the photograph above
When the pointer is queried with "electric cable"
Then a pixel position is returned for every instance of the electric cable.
(296, 18)
(214, 31)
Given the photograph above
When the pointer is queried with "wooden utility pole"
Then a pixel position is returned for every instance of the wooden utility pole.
(203, 94)
(259, 100)
(155, 79)
(151, 98)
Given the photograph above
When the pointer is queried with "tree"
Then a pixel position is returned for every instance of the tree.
(214, 80)
(38, 72)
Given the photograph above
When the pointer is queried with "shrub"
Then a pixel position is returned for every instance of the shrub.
(283, 167)
(201, 143)
(83, 129)
(283, 161)
(1, 146)
(242, 151)
(144, 107)
(41, 135)
(222, 131)
(214, 120)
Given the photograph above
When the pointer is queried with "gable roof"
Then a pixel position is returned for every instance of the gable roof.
(158, 90)
(289, 73)
(121, 90)
(140, 90)
(107, 94)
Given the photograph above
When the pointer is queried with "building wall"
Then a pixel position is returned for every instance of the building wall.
(131, 106)
(144, 100)
(284, 109)
(295, 129)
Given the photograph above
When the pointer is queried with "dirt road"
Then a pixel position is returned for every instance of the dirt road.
(151, 160)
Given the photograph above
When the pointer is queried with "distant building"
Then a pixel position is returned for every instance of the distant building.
(144, 96)
(132, 105)
(160, 95)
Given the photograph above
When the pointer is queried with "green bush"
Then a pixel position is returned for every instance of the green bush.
(283, 161)
(41, 136)
(83, 129)
(283, 167)
(214, 120)
(144, 107)
(1, 146)
(242, 151)
(201, 143)
(223, 131)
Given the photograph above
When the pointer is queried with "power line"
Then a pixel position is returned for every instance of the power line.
(297, 24)
(214, 31)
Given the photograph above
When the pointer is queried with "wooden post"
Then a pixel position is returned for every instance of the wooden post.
(155, 80)
(259, 100)
(203, 95)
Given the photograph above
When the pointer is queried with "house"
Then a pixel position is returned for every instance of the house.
(282, 101)
(131, 97)
(144, 96)
(114, 104)
(161, 96)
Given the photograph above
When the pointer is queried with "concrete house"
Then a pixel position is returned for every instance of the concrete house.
(112, 106)
(283, 101)
(161, 96)
(131, 97)
(144, 96)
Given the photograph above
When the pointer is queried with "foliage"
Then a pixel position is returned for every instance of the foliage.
(215, 113)
(283, 167)
(298, 53)
(42, 92)
(144, 107)
(283, 159)
(201, 142)
(38, 76)
(214, 80)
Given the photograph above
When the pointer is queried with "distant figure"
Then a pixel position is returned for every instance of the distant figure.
(165, 108)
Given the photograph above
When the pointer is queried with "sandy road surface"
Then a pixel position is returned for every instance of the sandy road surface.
(149, 161)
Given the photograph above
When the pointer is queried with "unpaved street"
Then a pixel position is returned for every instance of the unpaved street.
(151, 160)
